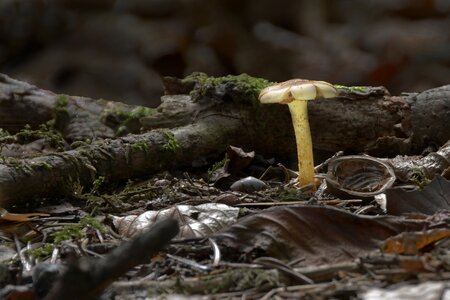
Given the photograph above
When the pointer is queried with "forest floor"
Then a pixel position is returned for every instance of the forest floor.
(243, 230)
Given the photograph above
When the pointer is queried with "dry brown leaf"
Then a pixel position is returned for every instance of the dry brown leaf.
(415, 264)
(236, 160)
(434, 197)
(315, 234)
(18, 224)
(413, 242)
(6, 216)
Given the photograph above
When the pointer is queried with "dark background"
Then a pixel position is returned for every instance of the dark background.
(118, 49)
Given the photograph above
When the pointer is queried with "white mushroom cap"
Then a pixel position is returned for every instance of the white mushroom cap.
(297, 89)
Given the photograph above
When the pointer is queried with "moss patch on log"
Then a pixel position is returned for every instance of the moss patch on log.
(123, 119)
(241, 87)
(27, 135)
(353, 89)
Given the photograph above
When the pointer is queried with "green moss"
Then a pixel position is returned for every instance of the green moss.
(72, 188)
(77, 144)
(24, 166)
(102, 203)
(419, 177)
(41, 252)
(11, 161)
(97, 184)
(18, 164)
(61, 104)
(76, 231)
(4, 133)
(243, 211)
(118, 200)
(217, 165)
(61, 113)
(241, 87)
(141, 146)
(140, 111)
(134, 192)
(46, 132)
(169, 149)
(92, 222)
(355, 89)
(171, 145)
(125, 120)
(44, 166)
(122, 130)
(67, 233)
(289, 194)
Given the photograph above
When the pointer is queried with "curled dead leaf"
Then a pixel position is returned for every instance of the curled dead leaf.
(316, 234)
(6, 216)
(411, 243)
(195, 221)
(434, 197)
(18, 224)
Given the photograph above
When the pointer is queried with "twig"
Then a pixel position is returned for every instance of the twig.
(92, 277)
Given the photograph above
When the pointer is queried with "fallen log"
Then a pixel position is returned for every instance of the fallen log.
(198, 118)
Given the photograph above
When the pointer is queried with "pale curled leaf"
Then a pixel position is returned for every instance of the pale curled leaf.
(195, 221)
(429, 290)
(6, 253)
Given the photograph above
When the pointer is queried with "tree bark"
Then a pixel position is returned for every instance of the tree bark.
(197, 119)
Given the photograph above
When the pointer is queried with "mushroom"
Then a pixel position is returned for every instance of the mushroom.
(295, 93)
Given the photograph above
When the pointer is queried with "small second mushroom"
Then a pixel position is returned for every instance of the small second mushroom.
(296, 93)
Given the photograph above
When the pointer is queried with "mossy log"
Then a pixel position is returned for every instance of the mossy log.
(198, 118)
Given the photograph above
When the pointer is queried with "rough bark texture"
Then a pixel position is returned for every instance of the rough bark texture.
(187, 130)
(22, 103)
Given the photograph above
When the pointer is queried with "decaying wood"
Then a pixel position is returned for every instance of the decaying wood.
(426, 166)
(198, 125)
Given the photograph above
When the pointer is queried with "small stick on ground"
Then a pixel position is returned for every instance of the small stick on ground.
(87, 279)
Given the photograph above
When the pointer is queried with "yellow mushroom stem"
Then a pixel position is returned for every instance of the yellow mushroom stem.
(299, 115)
